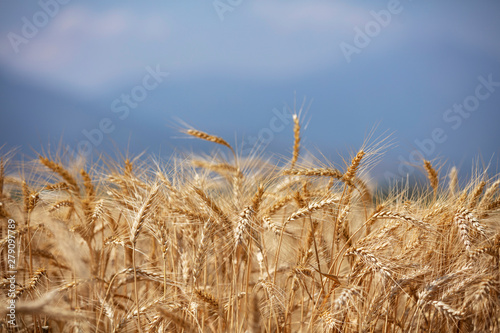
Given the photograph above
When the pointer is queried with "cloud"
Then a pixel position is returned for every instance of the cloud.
(94, 50)
(83, 48)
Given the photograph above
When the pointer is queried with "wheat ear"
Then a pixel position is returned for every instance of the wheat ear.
(62, 203)
(211, 138)
(57, 168)
(461, 222)
(476, 194)
(489, 194)
(371, 260)
(243, 225)
(353, 168)
(142, 214)
(213, 207)
(409, 219)
(432, 175)
(304, 211)
(87, 183)
(318, 172)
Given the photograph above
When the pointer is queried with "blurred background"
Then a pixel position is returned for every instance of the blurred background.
(95, 76)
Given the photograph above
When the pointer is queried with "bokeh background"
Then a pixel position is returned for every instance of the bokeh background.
(236, 66)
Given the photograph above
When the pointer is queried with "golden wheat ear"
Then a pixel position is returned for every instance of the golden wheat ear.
(432, 175)
(211, 138)
(353, 168)
(62, 172)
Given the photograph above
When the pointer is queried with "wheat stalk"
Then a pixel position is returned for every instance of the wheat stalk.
(296, 142)
(134, 234)
(453, 176)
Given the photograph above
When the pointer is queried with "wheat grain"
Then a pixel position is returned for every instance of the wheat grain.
(62, 203)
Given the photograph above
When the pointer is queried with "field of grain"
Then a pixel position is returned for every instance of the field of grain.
(244, 244)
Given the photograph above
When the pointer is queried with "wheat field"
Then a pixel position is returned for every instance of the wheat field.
(209, 243)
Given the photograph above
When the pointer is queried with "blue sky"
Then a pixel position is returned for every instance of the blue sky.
(233, 66)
